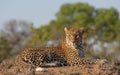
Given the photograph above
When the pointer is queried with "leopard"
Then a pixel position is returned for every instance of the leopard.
(69, 52)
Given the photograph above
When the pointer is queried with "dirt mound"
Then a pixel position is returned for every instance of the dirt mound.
(7, 68)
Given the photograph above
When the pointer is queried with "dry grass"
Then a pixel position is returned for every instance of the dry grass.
(7, 68)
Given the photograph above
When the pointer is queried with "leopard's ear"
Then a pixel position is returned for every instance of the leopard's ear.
(65, 29)
(81, 29)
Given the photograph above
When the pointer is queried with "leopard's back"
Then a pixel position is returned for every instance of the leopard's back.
(28, 56)
(41, 56)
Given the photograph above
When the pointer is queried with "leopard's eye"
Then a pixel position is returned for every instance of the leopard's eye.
(67, 34)
(77, 33)
(70, 35)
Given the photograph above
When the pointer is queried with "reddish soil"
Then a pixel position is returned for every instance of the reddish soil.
(7, 68)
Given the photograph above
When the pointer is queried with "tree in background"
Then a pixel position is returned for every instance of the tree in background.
(14, 37)
(4, 48)
(17, 33)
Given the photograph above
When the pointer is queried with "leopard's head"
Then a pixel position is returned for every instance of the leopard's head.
(74, 38)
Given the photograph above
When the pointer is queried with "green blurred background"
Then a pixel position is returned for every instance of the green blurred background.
(101, 38)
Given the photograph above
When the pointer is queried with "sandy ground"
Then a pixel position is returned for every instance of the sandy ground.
(7, 68)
